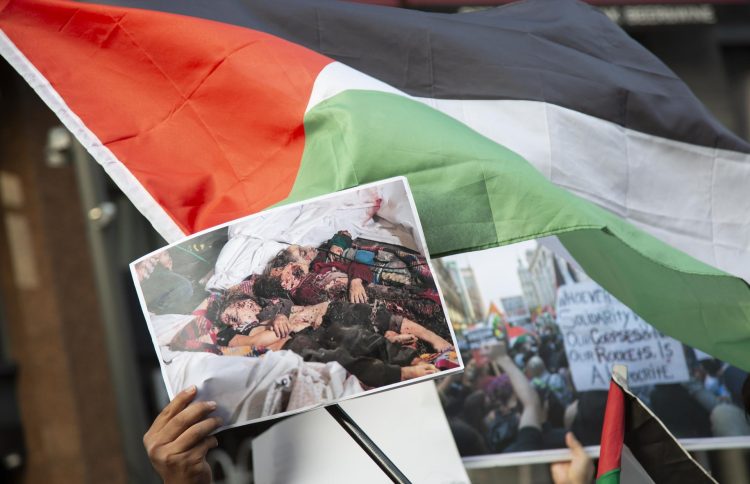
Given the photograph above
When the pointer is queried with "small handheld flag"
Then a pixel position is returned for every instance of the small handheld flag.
(636, 443)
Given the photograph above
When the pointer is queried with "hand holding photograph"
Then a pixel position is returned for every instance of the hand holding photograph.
(299, 306)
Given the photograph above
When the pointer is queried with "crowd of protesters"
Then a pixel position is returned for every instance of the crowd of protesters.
(523, 398)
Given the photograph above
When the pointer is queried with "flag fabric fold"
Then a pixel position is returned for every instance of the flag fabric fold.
(201, 122)
(637, 447)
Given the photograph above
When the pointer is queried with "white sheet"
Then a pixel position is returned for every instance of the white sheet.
(252, 243)
(251, 388)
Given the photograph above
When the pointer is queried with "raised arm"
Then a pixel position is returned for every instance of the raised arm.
(532, 408)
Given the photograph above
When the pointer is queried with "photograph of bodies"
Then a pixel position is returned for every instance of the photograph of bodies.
(560, 334)
(299, 306)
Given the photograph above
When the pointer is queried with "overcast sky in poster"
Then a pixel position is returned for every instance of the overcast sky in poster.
(495, 269)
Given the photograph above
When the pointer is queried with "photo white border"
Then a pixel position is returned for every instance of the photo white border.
(509, 459)
(392, 386)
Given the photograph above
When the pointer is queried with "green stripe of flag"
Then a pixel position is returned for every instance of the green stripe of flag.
(472, 193)
(611, 477)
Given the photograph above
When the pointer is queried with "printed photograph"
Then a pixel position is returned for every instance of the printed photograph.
(539, 339)
(299, 306)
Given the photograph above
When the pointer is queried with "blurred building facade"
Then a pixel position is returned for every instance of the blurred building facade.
(456, 278)
(541, 273)
(473, 293)
(452, 296)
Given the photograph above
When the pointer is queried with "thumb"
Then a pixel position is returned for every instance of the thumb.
(573, 444)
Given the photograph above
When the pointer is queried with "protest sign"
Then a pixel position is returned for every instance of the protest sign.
(599, 332)
(478, 337)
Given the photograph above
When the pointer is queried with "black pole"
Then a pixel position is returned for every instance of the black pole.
(364, 441)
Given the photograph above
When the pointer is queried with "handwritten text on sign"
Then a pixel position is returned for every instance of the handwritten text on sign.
(600, 331)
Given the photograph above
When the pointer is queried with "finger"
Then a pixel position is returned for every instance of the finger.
(191, 415)
(192, 462)
(277, 330)
(573, 444)
(178, 403)
(198, 453)
(195, 434)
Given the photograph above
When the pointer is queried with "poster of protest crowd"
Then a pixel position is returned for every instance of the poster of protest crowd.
(299, 306)
(539, 339)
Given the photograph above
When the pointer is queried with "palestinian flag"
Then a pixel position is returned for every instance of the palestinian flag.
(515, 334)
(537, 119)
(637, 447)
(494, 316)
